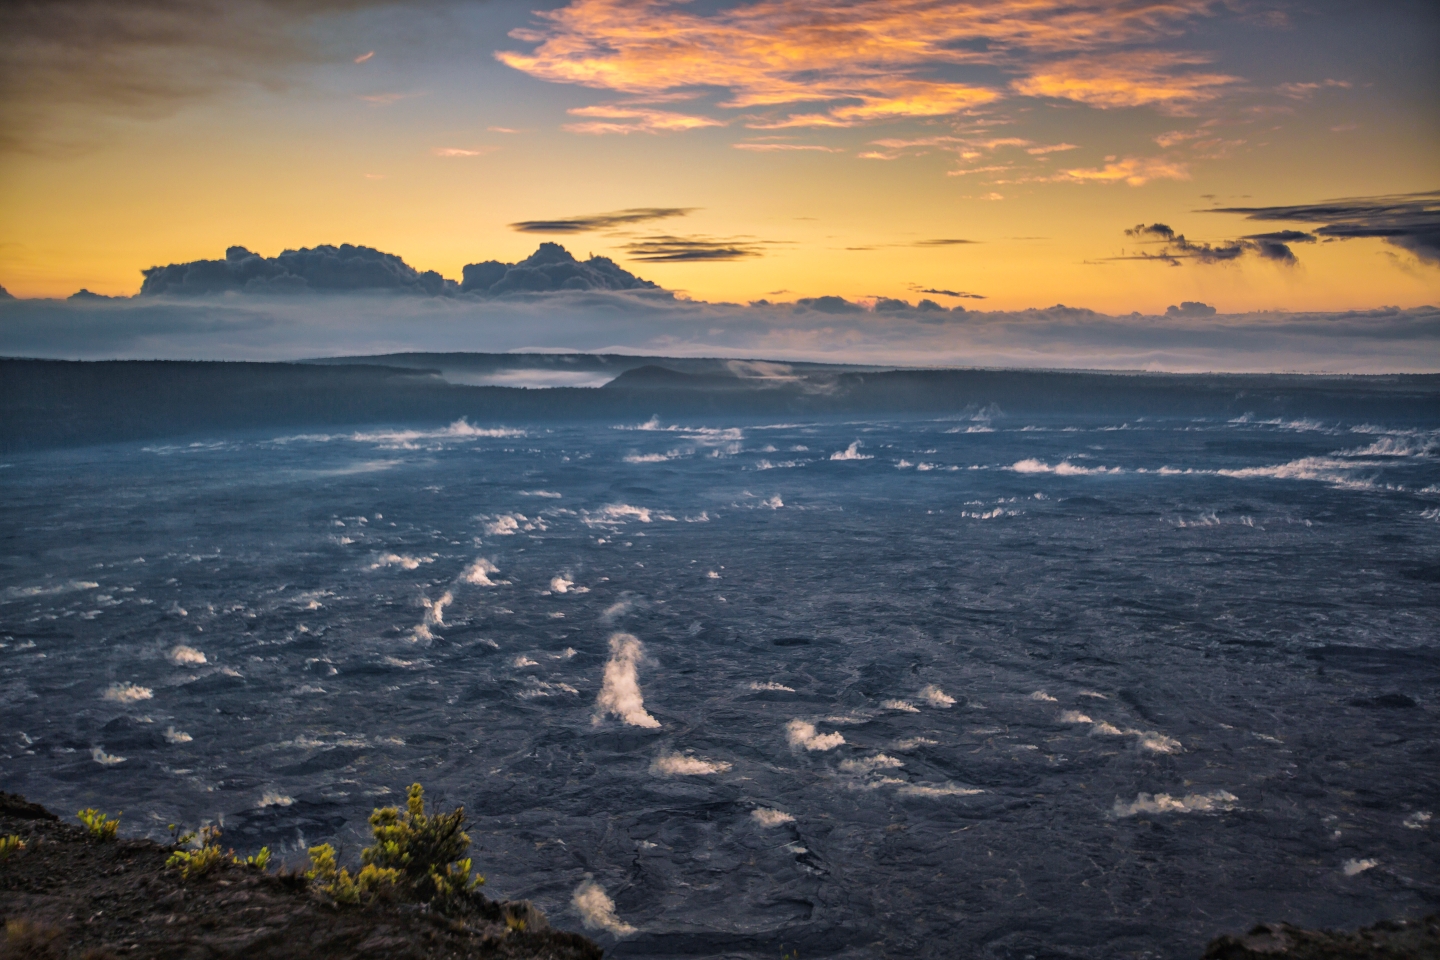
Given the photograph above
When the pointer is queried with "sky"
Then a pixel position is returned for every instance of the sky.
(1251, 155)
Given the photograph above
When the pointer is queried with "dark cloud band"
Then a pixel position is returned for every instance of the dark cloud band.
(668, 249)
(601, 221)
(1410, 221)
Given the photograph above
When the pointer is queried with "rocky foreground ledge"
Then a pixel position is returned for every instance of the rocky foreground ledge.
(1386, 940)
(66, 894)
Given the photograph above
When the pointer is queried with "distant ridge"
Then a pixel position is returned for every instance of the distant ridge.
(352, 269)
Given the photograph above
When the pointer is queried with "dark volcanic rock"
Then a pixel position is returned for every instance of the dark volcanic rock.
(68, 895)
(1386, 940)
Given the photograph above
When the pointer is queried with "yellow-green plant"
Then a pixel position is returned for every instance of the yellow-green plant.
(194, 864)
(337, 881)
(260, 861)
(101, 826)
(427, 850)
(11, 845)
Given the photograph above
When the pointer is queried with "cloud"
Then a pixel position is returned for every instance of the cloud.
(1174, 247)
(1136, 171)
(781, 147)
(870, 60)
(324, 267)
(1159, 230)
(64, 63)
(601, 221)
(346, 268)
(1410, 221)
(1304, 91)
(671, 249)
(959, 294)
(624, 119)
(462, 151)
(549, 268)
(1129, 79)
(646, 321)
(1190, 308)
(942, 242)
(620, 694)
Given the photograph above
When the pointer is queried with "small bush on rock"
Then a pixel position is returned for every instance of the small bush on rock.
(335, 880)
(426, 850)
(101, 827)
(9, 846)
(193, 864)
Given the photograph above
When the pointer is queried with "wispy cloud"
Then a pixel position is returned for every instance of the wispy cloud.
(959, 294)
(627, 119)
(1128, 79)
(463, 151)
(871, 60)
(601, 221)
(1132, 170)
(782, 147)
(670, 249)
(65, 62)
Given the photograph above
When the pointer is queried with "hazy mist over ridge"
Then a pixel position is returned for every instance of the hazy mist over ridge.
(552, 302)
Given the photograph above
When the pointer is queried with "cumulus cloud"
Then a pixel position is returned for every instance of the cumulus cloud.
(348, 268)
(802, 735)
(620, 694)
(597, 910)
(601, 221)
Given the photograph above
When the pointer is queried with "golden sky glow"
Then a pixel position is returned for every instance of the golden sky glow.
(833, 145)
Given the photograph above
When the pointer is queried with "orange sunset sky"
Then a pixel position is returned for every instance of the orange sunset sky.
(774, 149)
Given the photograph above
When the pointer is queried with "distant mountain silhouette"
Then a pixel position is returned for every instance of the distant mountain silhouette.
(352, 269)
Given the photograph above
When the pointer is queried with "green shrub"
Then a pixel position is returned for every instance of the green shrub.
(101, 826)
(9, 846)
(194, 864)
(426, 850)
(336, 880)
(200, 861)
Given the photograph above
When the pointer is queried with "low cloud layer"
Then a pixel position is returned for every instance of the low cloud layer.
(1187, 338)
